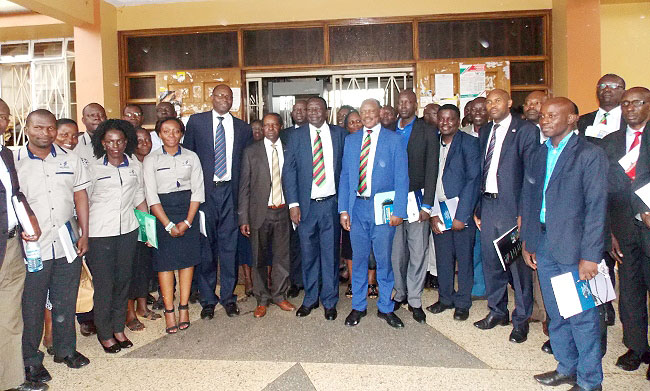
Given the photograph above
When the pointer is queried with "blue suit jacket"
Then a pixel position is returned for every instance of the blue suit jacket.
(199, 138)
(462, 174)
(389, 171)
(297, 170)
(576, 202)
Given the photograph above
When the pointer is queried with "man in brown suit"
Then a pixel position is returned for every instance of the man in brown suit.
(12, 271)
(264, 216)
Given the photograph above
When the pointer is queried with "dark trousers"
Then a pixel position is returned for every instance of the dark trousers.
(455, 247)
(220, 247)
(295, 272)
(319, 244)
(110, 260)
(62, 280)
(274, 235)
(496, 279)
(142, 269)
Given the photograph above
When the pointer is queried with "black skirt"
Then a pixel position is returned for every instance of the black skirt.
(176, 253)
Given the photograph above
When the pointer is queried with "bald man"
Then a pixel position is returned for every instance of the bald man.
(532, 107)
(563, 230)
(430, 114)
(91, 116)
(506, 143)
(608, 117)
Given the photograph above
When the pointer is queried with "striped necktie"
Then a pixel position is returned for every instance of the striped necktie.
(318, 161)
(220, 166)
(488, 156)
(363, 163)
(631, 172)
(276, 183)
(603, 120)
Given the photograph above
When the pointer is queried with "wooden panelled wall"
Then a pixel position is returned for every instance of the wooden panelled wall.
(522, 37)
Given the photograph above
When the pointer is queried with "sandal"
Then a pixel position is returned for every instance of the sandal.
(150, 315)
(172, 329)
(135, 325)
(184, 325)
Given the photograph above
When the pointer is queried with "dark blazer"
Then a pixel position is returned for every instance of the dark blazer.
(389, 171)
(642, 172)
(286, 133)
(588, 120)
(423, 156)
(461, 176)
(254, 185)
(200, 139)
(521, 139)
(297, 170)
(8, 160)
(576, 202)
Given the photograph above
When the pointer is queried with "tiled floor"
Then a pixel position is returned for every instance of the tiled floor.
(282, 352)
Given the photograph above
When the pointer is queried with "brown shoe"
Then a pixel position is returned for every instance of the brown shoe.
(285, 305)
(260, 311)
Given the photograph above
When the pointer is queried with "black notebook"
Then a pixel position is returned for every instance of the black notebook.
(508, 247)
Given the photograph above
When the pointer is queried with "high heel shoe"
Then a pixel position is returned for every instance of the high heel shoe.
(184, 325)
(124, 344)
(115, 348)
(172, 329)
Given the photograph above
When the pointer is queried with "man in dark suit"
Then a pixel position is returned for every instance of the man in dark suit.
(12, 270)
(219, 140)
(264, 216)
(563, 229)
(630, 237)
(458, 177)
(411, 240)
(374, 162)
(506, 142)
(310, 179)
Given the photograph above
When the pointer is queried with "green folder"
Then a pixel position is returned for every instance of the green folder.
(147, 229)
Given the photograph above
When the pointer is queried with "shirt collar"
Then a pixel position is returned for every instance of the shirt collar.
(216, 115)
(176, 154)
(125, 163)
(375, 129)
(325, 126)
(269, 144)
(615, 111)
(561, 145)
(407, 125)
(32, 156)
(505, 123)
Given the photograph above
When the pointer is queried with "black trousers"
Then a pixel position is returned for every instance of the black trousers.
(62, 280)
(295, 273)
(142, 269)
(456, 248)
(110, 260)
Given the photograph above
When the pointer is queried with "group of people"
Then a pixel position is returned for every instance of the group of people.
(381, 190)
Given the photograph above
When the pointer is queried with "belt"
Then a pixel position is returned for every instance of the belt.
(491, 195)
(543, 227)
(12, 232)
(363, 198)
(277, 207)
(222, 183)
(321, 199)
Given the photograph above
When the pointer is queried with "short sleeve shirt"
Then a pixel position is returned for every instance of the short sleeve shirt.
(165, 173)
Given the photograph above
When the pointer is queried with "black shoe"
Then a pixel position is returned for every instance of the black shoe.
(354, 317)
(31, 386)
(50, 350)
(37, 374)
(631, 361)
(610, 314)
(461, 314)
(554, 378)
(434, 282)
(294, 291)
(647, 374)
(519, 334)
(418, 314)
(87, 328)
(398, 305)
(438, 307)
(150, 299)
(546, 348)
(330, 313)
(231, 309)
(75, 361)
(305, 310)
(207, 312)
(392, 319)
(578, 388)
(114, 348)
(491, 321)
(348, 292)
(124, 344)
(158, 305)
(194, 297)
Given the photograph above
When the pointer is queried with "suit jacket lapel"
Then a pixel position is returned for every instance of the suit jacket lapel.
(455, 144)
(567, 153)
(335, 146)
(264, 163)
(508, 140)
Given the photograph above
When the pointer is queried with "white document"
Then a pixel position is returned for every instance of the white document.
(444, 84)
(629, 160)
(598, 131)
(472, 80)
(574, 296)
(68, 241)
(446, 211)
(23, 217)
(413, 205)
(236, 98)
(202, 224)
(644, 193)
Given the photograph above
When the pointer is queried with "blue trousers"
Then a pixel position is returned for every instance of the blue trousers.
(220, 247)
(478, 289)
(366, 236)
(575, 341)
(295, 270)
(319, 244)
(452, 248)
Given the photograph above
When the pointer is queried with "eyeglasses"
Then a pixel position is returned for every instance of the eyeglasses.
(133, 115)
(636, 103)
(613, 86)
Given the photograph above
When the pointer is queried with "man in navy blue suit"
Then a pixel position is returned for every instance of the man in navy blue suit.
(458, 177)
(310, 179)
(374, 161)
(506, 142)
(219, 140)
(563, 230)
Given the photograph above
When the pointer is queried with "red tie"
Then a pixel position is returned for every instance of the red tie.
(637, 139)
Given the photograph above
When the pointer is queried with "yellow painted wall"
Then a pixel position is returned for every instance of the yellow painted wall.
(74, 12)
(110, 60)
(229, 12)
(625, 40)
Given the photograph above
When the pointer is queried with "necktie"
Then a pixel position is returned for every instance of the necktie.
(637, 139)
(318, 161)
(488, 156)
(603, 120)
(276, 183)
(363, 163)
(220, 167)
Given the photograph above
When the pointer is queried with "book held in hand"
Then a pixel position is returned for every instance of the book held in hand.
(69, 235)
(508, 247)
(446, 211)
(383, 205)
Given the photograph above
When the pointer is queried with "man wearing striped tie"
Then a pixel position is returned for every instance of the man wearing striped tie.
(310, 179)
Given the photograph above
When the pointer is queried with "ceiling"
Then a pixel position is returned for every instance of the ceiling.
(7, 8)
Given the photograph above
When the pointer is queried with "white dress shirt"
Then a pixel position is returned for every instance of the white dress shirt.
(374, 136)
(156, 142)
(5, 178)
(629, 137)
(230, 140)
(328, 187)
(542, 137)
(269, 155)
(613, 119)
(491, 180)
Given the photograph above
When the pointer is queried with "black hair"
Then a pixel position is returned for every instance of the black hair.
(451, 107)
(114, 124)
(345, 121)
(348, 107)
(133, 105)
(256, 120)
(276, 115)
(161, 121)
(65, 121)
(39, 112)
(319, 98)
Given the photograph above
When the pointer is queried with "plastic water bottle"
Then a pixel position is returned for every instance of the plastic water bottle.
(33, 256)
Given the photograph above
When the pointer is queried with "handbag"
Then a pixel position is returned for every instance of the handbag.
(86, 290)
